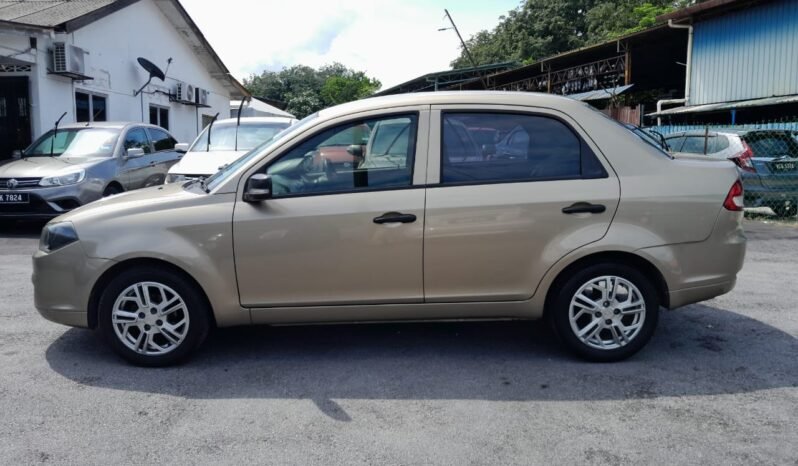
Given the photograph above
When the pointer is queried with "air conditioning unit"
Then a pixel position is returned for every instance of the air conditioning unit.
(202, 96)
(68, 60)
(185, 93)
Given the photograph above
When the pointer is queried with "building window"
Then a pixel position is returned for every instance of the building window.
(90, 107)
(159, 116)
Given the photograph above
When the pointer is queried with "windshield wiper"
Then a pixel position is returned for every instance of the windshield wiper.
(55, 133)
(204, 186)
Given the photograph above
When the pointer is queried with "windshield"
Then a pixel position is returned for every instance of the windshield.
(75, 142)
(223, 137)
(220, 176)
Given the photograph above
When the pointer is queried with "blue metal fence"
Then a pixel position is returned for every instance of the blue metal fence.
(667, 129)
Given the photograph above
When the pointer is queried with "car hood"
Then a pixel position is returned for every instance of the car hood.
(38, 167)
(204, 163)
(128, 203)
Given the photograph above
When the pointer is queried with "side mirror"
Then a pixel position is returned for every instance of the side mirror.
(356, 150)
(17, 154)
(181, 147)
(134, 153)
(259, 188)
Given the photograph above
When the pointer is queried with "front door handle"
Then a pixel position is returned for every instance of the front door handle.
(584, 208)
(394, 217)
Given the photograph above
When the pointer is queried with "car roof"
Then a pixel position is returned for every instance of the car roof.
(109, 125)
(254, 120)
(531, 99)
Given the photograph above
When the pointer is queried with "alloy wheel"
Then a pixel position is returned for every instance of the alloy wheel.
(150, 318)
(607, 312)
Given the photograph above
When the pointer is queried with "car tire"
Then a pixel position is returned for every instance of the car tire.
(785, 211)
(620, 323)
(112, 189)
(153, 317)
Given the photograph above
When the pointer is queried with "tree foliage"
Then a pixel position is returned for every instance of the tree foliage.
(306, 90)
(540, 28)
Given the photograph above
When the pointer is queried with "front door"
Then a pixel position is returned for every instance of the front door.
(510, 194)
(137, 170)
(338, 233)
(15, 131)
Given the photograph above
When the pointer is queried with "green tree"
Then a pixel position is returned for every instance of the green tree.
(538, 29)
(306, 90)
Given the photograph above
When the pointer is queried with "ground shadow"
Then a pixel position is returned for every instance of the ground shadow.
(697, 350)
(21, 228)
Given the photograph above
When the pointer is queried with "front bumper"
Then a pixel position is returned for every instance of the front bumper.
(62, 283)
(47, 203)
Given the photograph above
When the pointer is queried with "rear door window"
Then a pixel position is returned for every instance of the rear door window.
(525, 148)
(774, 144)
(161, 139)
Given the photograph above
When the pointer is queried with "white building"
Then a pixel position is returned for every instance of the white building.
(81, 57)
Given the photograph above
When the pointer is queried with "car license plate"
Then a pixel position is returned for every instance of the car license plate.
(784, 166)
(14, 198)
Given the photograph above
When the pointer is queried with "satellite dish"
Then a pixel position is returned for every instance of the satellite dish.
(151, 68)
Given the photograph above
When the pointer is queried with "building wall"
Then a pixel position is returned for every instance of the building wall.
(747, 54)
(113, 43)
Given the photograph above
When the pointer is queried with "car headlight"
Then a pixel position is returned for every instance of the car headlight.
(57, 235)
(74, 177)
(175, 178)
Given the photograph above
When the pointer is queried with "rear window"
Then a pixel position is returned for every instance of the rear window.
(772, 144)
(524, 148)
(704, 144)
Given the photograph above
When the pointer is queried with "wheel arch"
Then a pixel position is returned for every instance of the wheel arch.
(615, 257)
(114, 183)
(116, 269)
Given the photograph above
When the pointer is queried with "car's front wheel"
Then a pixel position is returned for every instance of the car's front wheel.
(152, 316)
(605, 312)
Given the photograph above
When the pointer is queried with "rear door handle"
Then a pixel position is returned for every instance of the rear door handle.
(584, 208)
(394, 217)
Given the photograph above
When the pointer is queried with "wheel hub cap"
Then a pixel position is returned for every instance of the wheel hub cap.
(607, 312)
(150, 318)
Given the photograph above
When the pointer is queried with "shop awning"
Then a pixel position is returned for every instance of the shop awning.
(600, 94)
(727, 106)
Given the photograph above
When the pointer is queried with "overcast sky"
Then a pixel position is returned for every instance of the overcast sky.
(391, 40)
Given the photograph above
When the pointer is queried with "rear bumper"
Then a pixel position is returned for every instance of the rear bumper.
(702, 270)
(683, 297)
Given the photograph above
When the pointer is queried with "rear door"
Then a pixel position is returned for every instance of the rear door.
(497, 220)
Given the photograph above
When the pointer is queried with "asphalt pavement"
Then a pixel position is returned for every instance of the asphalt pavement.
(718, 384)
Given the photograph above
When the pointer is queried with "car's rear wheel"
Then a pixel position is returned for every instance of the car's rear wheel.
(153, 317)
(606, 312)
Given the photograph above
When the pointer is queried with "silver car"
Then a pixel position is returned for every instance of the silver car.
(80, 163)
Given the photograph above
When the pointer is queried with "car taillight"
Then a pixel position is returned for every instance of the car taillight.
(743, 159)
(734, 200)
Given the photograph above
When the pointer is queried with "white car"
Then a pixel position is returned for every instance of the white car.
(228, 141)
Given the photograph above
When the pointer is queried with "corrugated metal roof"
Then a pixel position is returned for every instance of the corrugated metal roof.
(746, 54)
(48, 13)
(600, 94)
(728, 105)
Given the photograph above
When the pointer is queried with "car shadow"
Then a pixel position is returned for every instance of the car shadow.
(21, 228)
(697, 350)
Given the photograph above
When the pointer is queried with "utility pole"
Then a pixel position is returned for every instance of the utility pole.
(465, 48)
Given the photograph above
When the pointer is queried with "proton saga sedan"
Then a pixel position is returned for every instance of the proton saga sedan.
(592, 228)
(82, 162)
